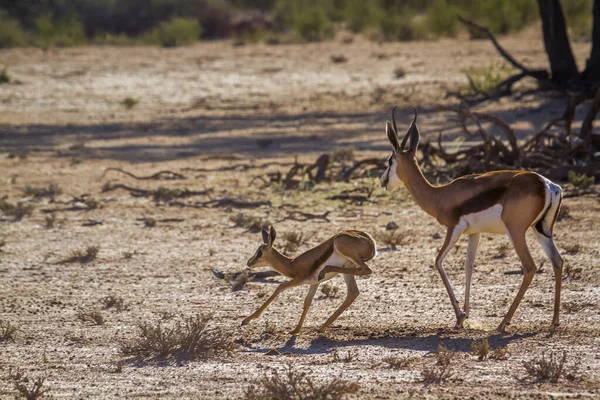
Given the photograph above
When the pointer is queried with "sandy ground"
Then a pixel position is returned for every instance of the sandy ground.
(215, 105)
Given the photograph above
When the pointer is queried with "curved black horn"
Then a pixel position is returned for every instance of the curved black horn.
(394, 119)
(408, 133)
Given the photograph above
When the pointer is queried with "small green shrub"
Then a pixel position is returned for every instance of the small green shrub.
(442, 18)
(580, 181)
(175, 32)
(403, 27)
(313, 25)
(361, 14)
(578, 14)
(487, 78)
(4, 77)
(64, 32)
(11, 32)
(129, 102)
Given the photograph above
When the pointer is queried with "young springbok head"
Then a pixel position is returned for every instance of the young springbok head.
(265, 251)
(344, 253)
(502, 202)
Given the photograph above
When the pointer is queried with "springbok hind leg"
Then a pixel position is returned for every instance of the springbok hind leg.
(557, 264)
(518, 238)
(350, 297)
(469, 263)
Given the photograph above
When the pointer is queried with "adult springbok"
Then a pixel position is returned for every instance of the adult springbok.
(507, 202)
(344, 253)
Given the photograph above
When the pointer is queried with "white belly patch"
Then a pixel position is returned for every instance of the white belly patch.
(486, 221)
(335, 260)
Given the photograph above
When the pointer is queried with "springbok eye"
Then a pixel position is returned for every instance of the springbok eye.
(259, 254)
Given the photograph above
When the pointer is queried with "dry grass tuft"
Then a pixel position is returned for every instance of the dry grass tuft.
(573, 249)
(253, 224)
(338, 59)
(502, 250)
(294, 385)
(8, 331)
(81, 256)
(190, 339)
(546, 368)
(330, 291)
(436, 373)
(481, 348)
(441, 371)
(20, 381)
(499, 353)
(393, 238)
(396, 362)
(37, 193)
(149, 222)
(17, 211)
(564, 213)
(574, 306)
(112, 301)
(49, 221)
(399, 72)
(443, 355)
(342, 154)
(293, 240)
(337, 358)
(93, 317)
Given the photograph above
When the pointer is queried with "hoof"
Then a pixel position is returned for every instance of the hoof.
(245, 322)
(460, 320)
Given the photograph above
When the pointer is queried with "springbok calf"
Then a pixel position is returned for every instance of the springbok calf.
(343, 253)
(495, 202)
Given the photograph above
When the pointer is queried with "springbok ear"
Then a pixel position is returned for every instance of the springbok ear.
(392, 137)
(413, 131)
(272, 236)
(265, 236)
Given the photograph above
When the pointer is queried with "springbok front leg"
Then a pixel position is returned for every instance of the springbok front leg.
(280, 288)
(469, 263)
(452, 236)
(307, 302)
(350, 297)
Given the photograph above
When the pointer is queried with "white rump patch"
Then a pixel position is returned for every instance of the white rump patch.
(336, 260)
(486, 221)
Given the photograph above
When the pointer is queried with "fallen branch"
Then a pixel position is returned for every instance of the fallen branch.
(304, 216)
(238, 280)
(231, 202)
(161, 194)
(168, 175)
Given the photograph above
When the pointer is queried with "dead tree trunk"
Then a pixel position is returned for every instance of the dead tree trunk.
(591, 73)
(556, 42)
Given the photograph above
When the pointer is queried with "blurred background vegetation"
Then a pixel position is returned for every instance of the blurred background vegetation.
(169, 23)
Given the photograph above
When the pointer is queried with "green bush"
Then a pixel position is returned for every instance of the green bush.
(361, 14)
(442, 18)
(313, 25)
(60, 33)
(578, 14)
(11, 33)
(175, 32)
(403, 27)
